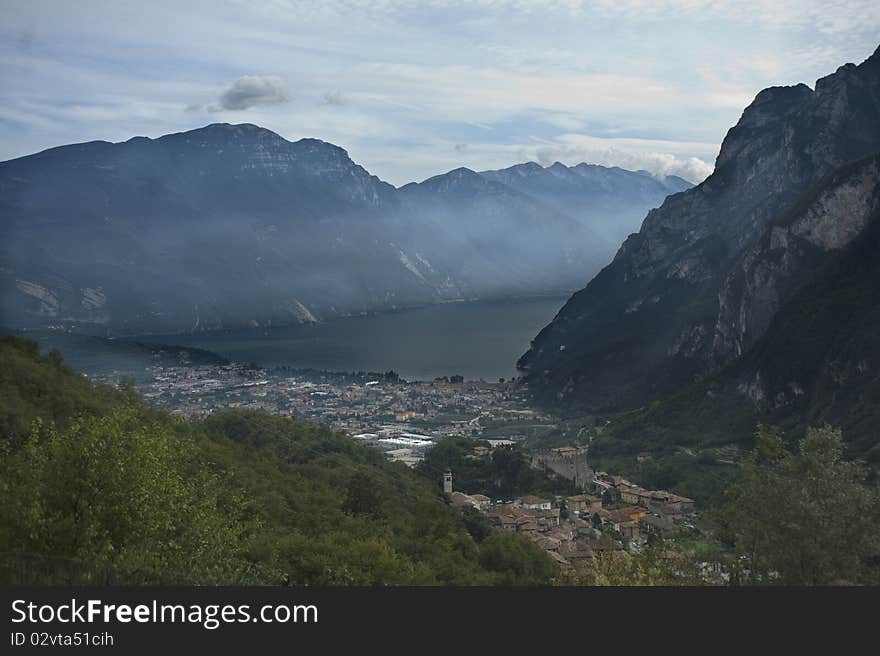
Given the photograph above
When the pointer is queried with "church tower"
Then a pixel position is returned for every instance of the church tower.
(447, 482)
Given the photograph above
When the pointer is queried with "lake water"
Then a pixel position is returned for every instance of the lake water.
(476, 340)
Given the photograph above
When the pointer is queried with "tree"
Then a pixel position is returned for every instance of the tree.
(517, 560)
(361, 497)
(121, 491)
(804, 517)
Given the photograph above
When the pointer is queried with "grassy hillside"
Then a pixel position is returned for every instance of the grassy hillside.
(96, 487)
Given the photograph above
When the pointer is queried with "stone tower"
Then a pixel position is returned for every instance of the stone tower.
(447, 481)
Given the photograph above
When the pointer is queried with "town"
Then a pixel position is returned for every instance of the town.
(399, 417)
(404, 419)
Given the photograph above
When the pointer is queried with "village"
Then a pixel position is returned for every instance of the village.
(611, 516)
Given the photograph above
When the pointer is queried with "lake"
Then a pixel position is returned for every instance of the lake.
(476, 340)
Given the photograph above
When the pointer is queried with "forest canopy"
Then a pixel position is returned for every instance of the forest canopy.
(96, 487)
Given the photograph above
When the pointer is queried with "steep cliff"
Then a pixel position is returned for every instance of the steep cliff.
(687, 294)
(799, 319)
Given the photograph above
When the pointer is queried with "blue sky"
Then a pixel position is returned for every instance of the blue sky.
(412, 89)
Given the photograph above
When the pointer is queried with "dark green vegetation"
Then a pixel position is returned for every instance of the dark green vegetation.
(503, 475)
(804, 516)
(96, 487)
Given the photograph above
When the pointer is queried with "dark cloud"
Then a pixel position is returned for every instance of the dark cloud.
(252, 90)
(334, 98)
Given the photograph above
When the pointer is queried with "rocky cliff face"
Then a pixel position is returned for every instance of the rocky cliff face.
(232, 225)
(693, 288)
(790, 252)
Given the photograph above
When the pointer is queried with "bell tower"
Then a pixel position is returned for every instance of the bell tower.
(447, 481)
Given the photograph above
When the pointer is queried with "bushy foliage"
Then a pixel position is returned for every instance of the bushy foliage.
(96, 487)
(806, 516)
(125, 491)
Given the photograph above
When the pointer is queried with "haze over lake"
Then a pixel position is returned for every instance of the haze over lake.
(475, 340)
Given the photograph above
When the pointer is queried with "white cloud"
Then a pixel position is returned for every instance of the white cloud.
(656, 156)
(650, 84)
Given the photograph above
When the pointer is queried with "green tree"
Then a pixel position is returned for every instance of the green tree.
(123, 491)
(361, 497)
(516, 560)
(804, 517)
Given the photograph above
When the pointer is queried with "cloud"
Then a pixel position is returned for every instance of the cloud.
(334, 98)
(252, 90)
(460, 147)
(660, 164)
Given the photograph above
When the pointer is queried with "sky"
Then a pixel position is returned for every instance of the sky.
(415, 88)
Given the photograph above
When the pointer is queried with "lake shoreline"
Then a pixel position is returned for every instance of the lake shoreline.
(474, 339)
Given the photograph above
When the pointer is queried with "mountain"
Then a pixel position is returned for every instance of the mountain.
(500, 240)
(224, 225)
(232, 225)
(610, 202)
(751, 296)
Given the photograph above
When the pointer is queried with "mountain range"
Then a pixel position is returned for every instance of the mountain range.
(232, 225)
(751, 297)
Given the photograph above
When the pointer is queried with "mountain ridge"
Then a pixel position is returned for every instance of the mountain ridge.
(648, 318)
(750, 298)
(233, 225)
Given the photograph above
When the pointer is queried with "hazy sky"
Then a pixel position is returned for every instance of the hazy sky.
(414, 88)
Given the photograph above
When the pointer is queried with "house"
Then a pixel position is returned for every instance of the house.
(577, 551)
(478, 501)
(563, 533)
(628, 530)
(671, 504)
(583, 527)
(656, 523)
(628, 514)
(605, 547)
(528, 525)
(608, 486)
(546, 518)
(635, 494)
(482, 501)
(535, 503)
(548, 543)
(584, 504)
(505, 522)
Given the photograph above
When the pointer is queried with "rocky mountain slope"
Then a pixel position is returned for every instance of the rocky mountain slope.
(802, 309)
(232, 225)
(711, 270)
